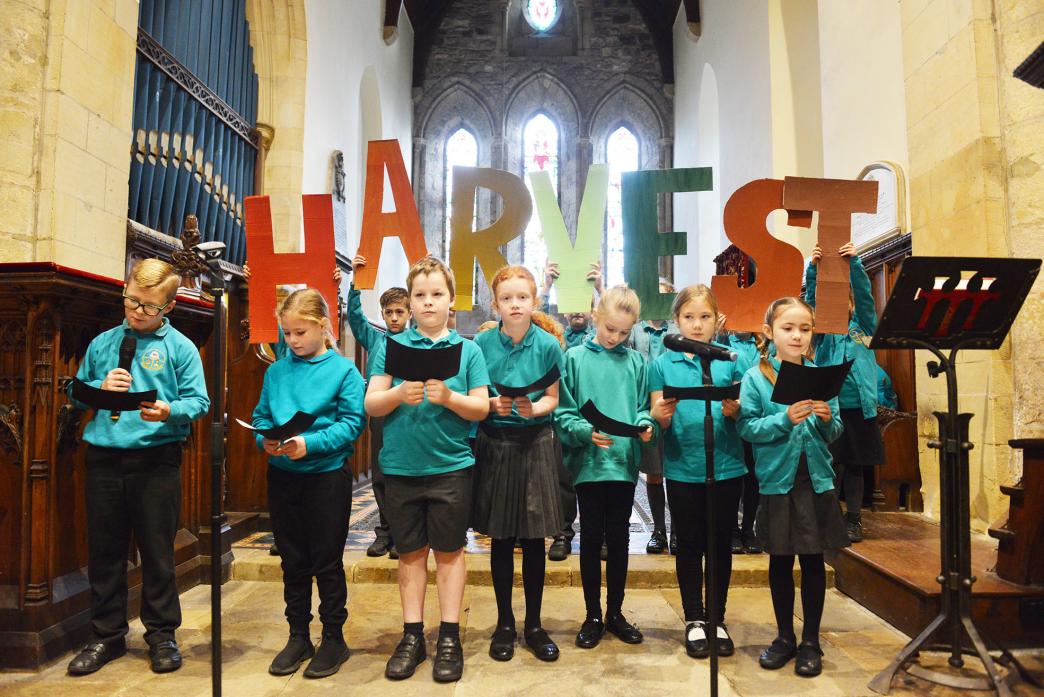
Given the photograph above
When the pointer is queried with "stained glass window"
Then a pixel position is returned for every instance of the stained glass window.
(541, 14)
(540, 153)
(621, 152)
(462, 151)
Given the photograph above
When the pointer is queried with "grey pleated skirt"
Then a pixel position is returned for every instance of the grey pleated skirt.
(801, 521)
(517, 490)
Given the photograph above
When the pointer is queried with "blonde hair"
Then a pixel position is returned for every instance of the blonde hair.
(156, 273)
(695, 292)
(427, 266)
(618, 299)
(774, 310)
(309, 304)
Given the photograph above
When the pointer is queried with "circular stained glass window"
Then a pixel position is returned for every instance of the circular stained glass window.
(542, 14)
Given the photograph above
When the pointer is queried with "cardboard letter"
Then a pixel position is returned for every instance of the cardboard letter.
(574, 260)
(403, 222)
(836, 200)
(467, 245)
(644, 244)
(779, 265)
(314, 266)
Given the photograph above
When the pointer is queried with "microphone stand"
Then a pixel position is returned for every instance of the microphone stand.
(710, 576)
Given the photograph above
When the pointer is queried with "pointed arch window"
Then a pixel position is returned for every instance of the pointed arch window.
(539, 153)
(461, 151)
(622, 155)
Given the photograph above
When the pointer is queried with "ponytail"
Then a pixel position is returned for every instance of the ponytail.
(549, 325)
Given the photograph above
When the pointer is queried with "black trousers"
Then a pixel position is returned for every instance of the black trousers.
(605, 514)
(751, 492)
(133, 491)
(310, 515)
(377, 476)
(689, 511)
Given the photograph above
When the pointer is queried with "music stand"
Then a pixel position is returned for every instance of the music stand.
(952, 303)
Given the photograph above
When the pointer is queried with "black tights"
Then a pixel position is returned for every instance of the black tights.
(851, 482)
(605, 514)
(502, 567)
(813, 594)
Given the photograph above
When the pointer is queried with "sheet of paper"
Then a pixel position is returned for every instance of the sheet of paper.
(313, 267)
(466, 245)
(403, 222)
(298, 424)
(540, 385)
(573, 290)
(605, 424)
(779, 265)
(796, 383)
(708, 393)
(109, 399)
(417, 364)
(644, 244)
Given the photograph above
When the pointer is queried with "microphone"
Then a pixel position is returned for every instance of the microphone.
(677, 342)
(128, 347)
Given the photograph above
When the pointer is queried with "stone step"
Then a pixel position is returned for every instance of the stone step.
(644, 570)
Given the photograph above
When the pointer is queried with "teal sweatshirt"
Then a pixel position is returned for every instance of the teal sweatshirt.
(859, 390)
(328, 386)
(165, 360)
(616, 381)
(365, 333)
(778, 443)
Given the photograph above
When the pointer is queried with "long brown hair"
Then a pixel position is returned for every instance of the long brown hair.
(774, 310)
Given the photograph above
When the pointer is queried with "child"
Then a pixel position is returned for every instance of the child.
(647, 339)
(134, 469)
(309, 489)
(395, 310)
(799, 512)
(860, 443)
(516, 488)
(685, 465)
(604, 468)
(427, 467)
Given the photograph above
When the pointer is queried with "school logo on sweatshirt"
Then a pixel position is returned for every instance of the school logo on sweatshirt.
(153, 359)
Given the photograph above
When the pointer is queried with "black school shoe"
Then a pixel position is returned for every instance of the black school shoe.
(541, 645)
(559, 549)
(298, 649)
(408, 655)
(448, 665)
(697, 643)
(502, 643)
(623, 630)
(736, 543)
(381, 545)
(332, 652)
(95, 655)
(657, 543)
(777, 655)
(164, 656)
(750, 543)
(809, 663)
(591, 633)
(854, 529)
(674, 545)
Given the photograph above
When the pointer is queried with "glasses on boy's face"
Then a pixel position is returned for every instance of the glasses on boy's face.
(149, 310)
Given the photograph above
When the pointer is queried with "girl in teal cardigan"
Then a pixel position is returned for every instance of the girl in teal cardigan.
(605, 468)
(799, 514)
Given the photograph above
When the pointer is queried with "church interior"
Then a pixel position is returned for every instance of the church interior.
(137, 129)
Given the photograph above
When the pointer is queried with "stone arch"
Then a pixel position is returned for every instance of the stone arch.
(625, 105)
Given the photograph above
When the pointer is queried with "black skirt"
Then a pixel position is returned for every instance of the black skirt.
(860, 442)
(517, 491)
(801, 521)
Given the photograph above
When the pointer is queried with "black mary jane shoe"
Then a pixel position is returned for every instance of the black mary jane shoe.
(696, 644)
(777, 655)
(559, 549)
(623, 630)
(541, 645)
(408, 655)
(809, 661)
(448, 665)
(591, 633)
(502, 643)
(657, 543)
(164, 656)
(95, 655)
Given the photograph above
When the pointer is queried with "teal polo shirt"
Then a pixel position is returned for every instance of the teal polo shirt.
(425, 439)
(648, 340)
(684, 454)
(577, 338)
(519, 364)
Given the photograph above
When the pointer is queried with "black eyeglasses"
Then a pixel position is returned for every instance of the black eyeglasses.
(149, 310)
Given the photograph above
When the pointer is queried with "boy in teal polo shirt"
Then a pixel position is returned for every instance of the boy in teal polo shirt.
(134, 469)
(427, 461)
